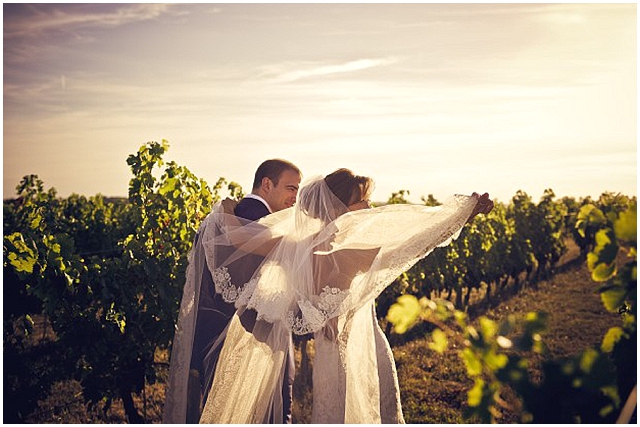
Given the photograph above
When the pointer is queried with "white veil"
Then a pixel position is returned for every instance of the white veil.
(316, 268)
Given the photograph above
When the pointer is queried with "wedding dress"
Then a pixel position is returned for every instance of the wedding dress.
(314, 268)
(356, 395)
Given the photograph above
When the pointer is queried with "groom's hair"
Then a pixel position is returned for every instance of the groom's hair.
(273, 169)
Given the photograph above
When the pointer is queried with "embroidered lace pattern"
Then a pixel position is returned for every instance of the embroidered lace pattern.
(314, 318)
(311, 318)
(240, 295)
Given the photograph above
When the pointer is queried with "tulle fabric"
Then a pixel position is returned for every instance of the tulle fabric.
(357, 383)
(314, 268)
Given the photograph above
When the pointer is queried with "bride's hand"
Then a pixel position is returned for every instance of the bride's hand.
(484, 205)
(229, 206)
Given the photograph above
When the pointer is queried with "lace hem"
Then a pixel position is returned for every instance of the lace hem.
(330, 302)
(240, 295)
(310, 318)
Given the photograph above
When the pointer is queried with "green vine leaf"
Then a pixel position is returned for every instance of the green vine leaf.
(589, 215)
(472, 362)
(404, 313)
(601, 261)
(625, 227)
(439, 341)
(20, 256)
(611, 338)
(613, 297)
(474, 396)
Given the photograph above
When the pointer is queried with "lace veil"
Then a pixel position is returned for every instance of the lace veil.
(308, 269)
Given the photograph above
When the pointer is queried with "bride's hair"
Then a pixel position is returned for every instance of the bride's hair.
(329, 197)
(348, 187)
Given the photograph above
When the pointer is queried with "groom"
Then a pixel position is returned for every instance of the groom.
(275, 187)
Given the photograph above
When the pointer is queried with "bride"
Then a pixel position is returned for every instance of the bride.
(321, 264)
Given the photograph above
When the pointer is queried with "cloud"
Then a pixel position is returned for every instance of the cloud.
(287, 76)
(34, 21)
(31, 31)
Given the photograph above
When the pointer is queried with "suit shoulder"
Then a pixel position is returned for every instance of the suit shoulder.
(251, 209)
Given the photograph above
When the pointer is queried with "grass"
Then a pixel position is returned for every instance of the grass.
(433, 386)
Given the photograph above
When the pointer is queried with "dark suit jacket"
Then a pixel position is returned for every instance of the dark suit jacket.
(251, 209)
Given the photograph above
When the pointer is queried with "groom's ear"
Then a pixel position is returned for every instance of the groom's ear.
(267, 184)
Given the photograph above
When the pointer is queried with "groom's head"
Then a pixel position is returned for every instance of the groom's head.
(277, 182)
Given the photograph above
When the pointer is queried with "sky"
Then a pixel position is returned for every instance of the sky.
(430, 98)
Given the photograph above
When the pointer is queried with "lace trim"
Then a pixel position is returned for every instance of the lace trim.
(416, 249)
(240, 295)
(314, 318)
(310, 318)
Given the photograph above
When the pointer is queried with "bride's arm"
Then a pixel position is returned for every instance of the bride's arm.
(252, 238)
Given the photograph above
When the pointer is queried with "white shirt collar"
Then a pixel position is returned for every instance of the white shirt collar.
(255, 196)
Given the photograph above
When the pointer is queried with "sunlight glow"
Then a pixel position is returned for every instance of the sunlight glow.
(432, 98)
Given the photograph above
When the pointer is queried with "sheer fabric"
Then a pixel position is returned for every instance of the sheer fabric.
(359, 385)
(314, 268)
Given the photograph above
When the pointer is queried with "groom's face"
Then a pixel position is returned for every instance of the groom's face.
(283, 195)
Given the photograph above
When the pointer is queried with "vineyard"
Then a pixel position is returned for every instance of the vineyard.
(92, 288)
